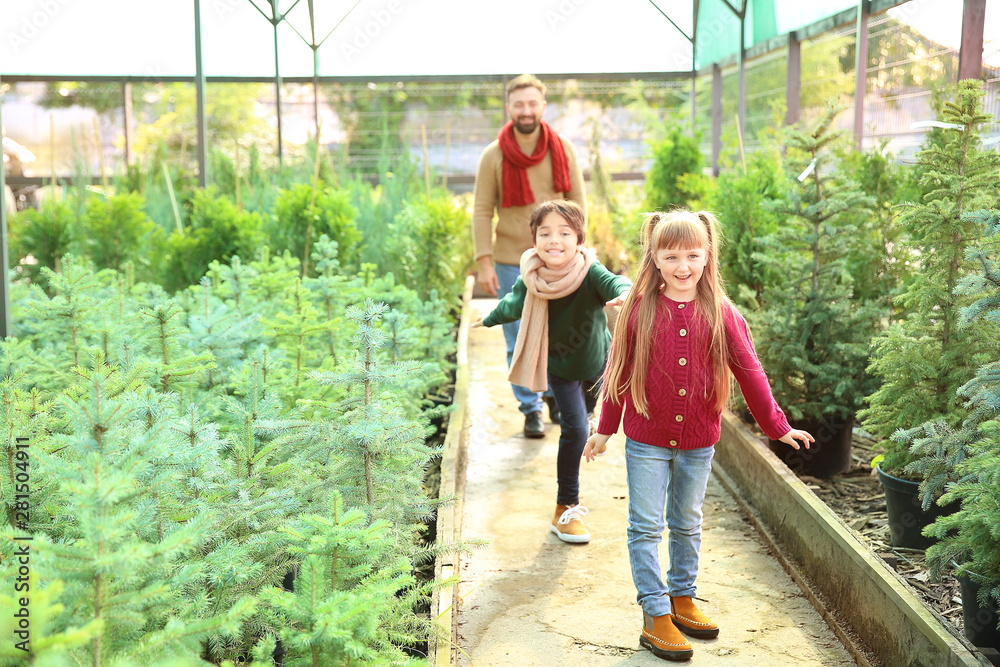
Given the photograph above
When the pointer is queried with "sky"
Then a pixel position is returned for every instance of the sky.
(387, 37)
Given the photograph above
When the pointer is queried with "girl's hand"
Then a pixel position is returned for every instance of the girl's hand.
(596, 444)
(618, 300)
(478, 323)
(795, 434)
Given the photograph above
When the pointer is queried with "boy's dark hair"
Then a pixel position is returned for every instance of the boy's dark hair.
(525, 81)
(569, 210)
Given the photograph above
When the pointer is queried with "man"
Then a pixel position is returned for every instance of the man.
(527, 165)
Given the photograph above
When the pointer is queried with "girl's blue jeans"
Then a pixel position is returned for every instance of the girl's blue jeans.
(575, 398)
(677, 478)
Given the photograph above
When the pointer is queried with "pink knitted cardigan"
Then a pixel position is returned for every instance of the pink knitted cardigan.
(677, 382)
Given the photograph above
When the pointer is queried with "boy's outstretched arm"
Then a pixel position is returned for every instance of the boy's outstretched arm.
(619, 300)
(596, 444)
(795, 434)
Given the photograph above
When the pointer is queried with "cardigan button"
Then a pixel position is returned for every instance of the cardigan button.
(683, 392)
(679, 418)
(673, 443)
(682, 361)
(684, 332)
(679, 306)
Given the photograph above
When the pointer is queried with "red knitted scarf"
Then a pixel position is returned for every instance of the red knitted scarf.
(516, 189)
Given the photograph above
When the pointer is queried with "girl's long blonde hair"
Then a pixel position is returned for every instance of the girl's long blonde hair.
(631, 349)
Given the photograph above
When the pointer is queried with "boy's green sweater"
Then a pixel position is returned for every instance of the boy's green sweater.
(579, 339)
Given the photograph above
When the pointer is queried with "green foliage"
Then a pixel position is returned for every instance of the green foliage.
(965, 462)
(878, 263)
(675, 156)
(429, 240)
(46, 234)
(174, 443)
(345, 603)
(813, 337)
(217, 229)
(117, 231)
(924, 357)
(377, 207)
(745, 203)
(304, 213)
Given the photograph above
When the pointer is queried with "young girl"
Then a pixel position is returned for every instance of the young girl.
(563, 339)
(677, 340)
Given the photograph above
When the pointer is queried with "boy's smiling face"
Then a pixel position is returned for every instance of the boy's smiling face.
(556, 241)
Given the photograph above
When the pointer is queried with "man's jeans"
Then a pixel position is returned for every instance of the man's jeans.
(677, 478)
(528, 401)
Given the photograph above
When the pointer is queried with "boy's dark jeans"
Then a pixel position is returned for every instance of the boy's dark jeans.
(576, 399)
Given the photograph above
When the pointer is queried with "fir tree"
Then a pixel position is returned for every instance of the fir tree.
(120, 571)
(924, 357)
(67, 317)
(377, 439)
(814, 336)
(965, 461)
(220, 330)
(354, 595)
(174, 363)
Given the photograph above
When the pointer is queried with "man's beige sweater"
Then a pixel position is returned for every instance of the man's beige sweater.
(513, 236)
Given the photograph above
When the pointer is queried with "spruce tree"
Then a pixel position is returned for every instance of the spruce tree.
(376, 437)
(120, 568)
(813, 336)
(965, 461)
(923, 358)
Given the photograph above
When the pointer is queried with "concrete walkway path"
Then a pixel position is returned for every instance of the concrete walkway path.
(529, 599)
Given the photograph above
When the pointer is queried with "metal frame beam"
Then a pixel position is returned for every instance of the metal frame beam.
(199, 86)
(793, 81)
(127, 119)
(5, 330)
(860, 71)
(970, 54)
(436, 78)
(716, 117)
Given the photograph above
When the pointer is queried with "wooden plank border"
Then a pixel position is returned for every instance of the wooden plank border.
(443, 644)
(870, 596)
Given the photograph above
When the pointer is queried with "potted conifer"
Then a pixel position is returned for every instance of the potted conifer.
(813, 334)
(924, 356)
(970, 455)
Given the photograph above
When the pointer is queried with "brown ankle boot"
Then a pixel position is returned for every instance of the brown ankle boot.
(661, 636)
(690, 621)
(568, 526)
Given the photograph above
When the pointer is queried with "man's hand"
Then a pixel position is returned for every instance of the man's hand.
(596, 444)
(487, 276)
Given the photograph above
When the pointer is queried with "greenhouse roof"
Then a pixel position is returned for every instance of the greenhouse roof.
(395, 38)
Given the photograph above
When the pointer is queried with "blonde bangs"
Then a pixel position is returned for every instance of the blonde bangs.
(680, 229)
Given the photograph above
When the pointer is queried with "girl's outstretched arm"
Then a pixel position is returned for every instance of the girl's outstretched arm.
(795, 434)
(596, 444)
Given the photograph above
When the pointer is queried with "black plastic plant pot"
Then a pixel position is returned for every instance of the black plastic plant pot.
(980, 622)
(828, 456)
(907, 519)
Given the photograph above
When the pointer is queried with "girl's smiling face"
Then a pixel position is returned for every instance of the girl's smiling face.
(681, 269)
(556, 241)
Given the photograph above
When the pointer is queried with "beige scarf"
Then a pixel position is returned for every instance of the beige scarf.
(529, 367)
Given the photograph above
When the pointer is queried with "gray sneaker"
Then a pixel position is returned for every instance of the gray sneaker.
(533, 426)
